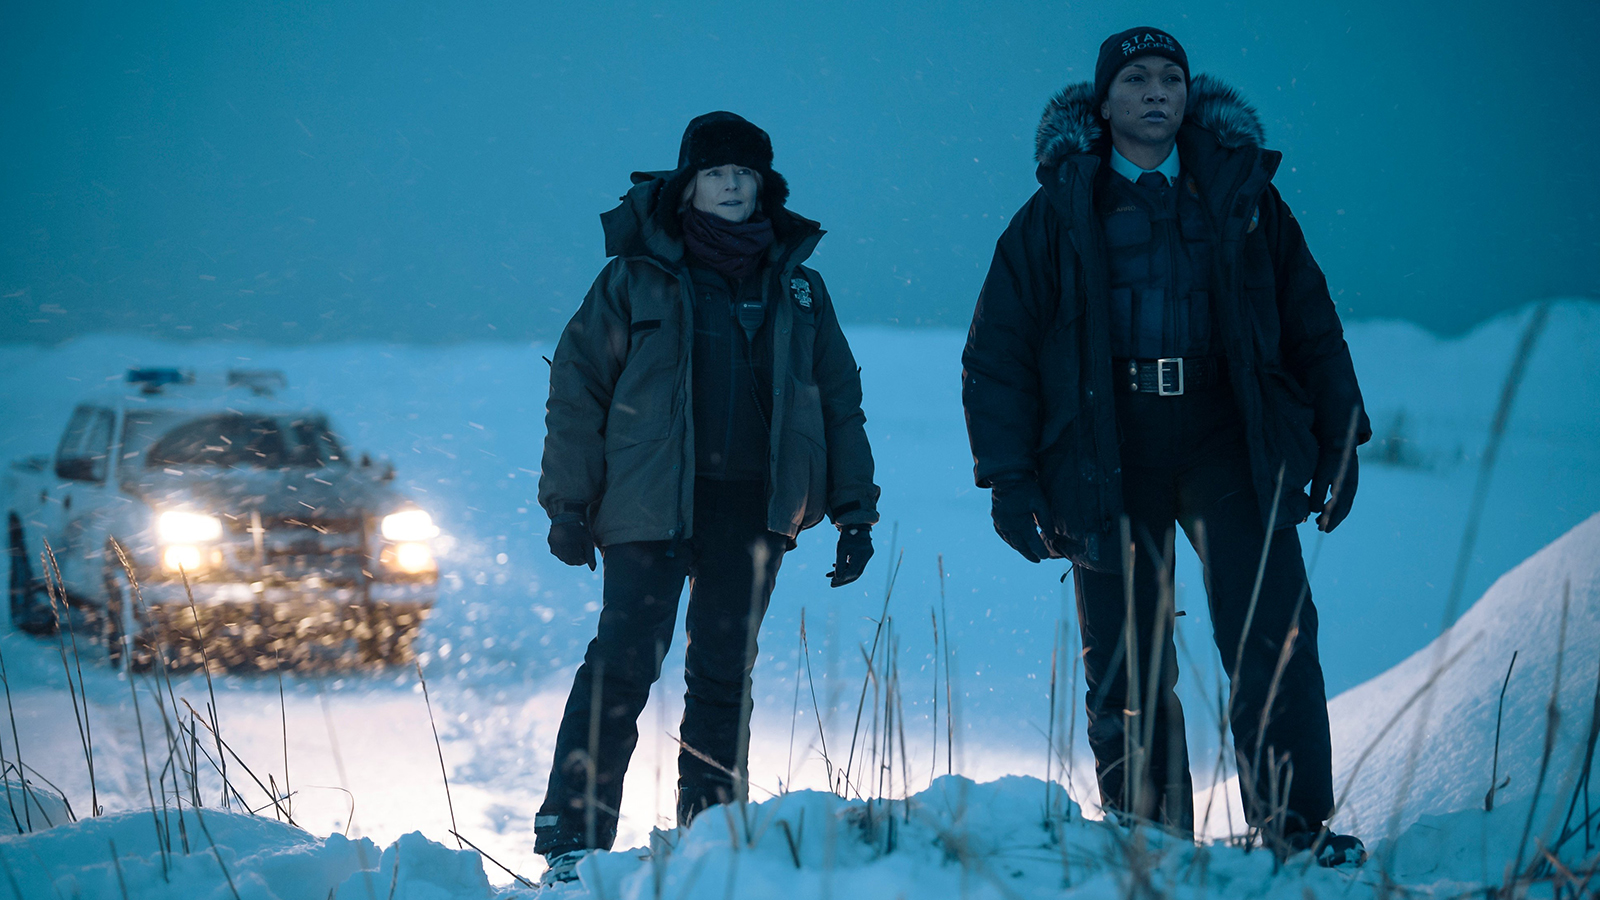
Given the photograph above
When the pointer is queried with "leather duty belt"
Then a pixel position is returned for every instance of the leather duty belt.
(1170, 376)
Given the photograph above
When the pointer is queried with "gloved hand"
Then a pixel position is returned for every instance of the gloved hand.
(855, 548)
(1330, 511)
(1020, 512)
(570, 540)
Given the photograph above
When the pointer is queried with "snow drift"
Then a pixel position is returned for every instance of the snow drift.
(1548, 614)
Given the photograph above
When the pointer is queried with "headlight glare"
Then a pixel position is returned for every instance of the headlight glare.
(175, 527)
(414, 558)
(409, 558)
(409, 525)
(185, 557)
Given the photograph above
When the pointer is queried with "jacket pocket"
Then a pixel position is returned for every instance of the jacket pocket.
(643, 401)
(641, 490)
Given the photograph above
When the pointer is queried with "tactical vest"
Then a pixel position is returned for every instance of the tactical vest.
(1158, 251)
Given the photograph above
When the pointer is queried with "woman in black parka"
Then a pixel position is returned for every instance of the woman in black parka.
(1154, 345)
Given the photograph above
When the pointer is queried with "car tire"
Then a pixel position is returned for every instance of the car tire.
(123, 624)
(22, 588)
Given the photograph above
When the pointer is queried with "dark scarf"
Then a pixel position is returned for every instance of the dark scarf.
(734, 251)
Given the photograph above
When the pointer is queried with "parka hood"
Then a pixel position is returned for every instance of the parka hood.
(1071, 123)
(646, 223)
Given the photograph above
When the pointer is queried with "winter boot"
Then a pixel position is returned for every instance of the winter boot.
(1331, 851)
(563, 867)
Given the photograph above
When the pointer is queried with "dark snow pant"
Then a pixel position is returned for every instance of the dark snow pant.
(732, 562)
(1184, 460)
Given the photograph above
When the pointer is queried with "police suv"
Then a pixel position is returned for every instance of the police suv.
(207, 519)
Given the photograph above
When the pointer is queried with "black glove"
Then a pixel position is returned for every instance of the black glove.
(855, 548)
(1330, 511)
(570, 540)
(1020, 512)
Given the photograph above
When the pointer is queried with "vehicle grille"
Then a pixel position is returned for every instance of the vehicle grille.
(294, 548)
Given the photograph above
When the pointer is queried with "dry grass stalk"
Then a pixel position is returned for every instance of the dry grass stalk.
(283, 722)
(485, 855)
(1247, 788)
(57, 592)
(116, 863)
(11, 877)
(1552, 725)
(816, 709)
(228, 748)
(1581, 786)
(439, 749)
(217, 853)
(25, 821)
(949, 697)
(868, 679)
(205, 660)
(1499, 717)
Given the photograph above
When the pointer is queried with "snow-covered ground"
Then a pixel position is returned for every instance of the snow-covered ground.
(464, 426)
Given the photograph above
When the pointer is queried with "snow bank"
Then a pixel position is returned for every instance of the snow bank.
(1014, 838)
(120, 855)
(955, 839)
(415, 868)
(1522, 613)
(30, 807)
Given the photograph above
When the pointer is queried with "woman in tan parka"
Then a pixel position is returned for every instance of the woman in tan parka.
(704, 410)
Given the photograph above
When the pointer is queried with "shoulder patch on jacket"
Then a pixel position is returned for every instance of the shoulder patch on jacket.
(800, 290)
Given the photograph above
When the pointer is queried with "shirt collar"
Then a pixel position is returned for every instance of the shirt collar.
(1168, 167)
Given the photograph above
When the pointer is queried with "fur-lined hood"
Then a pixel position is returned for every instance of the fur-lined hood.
(1070, 124)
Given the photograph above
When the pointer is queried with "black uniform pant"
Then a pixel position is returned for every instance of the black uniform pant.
(732, 562)
(1184, 461)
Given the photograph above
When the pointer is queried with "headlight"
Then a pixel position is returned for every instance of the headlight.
(187, 528)
(409, 557)
(181, 556)
(409, 525)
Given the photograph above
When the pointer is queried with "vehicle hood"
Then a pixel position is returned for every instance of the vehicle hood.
(289, 493)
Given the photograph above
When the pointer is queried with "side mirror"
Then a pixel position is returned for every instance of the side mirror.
(385, 467)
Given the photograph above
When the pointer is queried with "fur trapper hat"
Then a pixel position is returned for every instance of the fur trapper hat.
(719, 139)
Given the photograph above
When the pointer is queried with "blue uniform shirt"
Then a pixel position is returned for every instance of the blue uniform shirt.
(1168, 167)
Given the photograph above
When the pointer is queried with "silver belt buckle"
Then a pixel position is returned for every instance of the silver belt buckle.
(1170, 365)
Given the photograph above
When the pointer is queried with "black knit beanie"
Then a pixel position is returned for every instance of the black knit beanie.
(723, 139)
(1126, 46)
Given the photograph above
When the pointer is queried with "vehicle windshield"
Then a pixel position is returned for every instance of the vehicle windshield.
(232, 440)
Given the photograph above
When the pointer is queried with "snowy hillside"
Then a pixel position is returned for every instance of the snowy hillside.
(464, 426)
(1547, 611)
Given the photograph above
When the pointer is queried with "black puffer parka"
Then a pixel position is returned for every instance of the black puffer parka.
(1037, 370)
